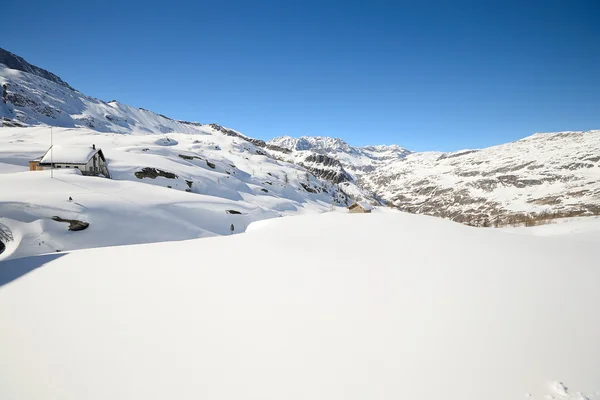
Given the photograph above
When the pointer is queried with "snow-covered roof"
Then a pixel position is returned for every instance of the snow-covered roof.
(363, 204)
(69, 154)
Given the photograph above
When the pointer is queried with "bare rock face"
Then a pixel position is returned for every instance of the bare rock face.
(325, 167)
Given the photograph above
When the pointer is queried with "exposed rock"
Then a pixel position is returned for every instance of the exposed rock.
(74, 225)
(308, 188)
(154, 173)
(325, 167)
(186, 157)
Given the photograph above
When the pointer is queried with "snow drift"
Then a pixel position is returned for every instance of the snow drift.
(331, 306)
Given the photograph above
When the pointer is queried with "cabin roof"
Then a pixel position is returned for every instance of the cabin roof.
(58, 154)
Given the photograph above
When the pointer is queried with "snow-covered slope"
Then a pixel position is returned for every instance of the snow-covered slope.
(164, 187)
(334, 160)
(355, 159)
(545, 175)
(35, 96)
(330, 306)
(557, 173)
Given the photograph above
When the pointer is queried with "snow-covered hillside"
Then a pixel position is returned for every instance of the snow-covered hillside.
(163, 187)
(547, 172)
(356, 160)
(556, 174)
(35, 96)
(330, 306)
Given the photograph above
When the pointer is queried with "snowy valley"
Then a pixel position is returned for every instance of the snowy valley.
(544, 176)
(135, 283)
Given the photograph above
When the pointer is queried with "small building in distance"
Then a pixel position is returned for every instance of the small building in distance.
(88, 160)
(360, 207)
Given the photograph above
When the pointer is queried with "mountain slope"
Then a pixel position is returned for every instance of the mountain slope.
(34, 96)
(179, 186)
(545, 175)
(555, 173)
(548, 174)
(15, 62)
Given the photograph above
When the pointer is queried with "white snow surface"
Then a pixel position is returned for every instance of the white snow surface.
(583, 229)
(332, 306)
(212, 175)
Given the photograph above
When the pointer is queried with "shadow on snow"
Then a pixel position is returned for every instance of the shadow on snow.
(14, 269)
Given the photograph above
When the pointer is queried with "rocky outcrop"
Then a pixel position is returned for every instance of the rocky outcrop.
(154, 173)
(74, 225)
(325, 167)
(256, 142)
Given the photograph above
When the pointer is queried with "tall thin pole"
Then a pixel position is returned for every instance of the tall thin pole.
(51, 155)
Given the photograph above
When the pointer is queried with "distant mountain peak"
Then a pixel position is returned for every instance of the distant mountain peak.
(319, 144)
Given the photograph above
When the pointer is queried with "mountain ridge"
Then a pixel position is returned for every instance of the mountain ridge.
(16, 62)
(474, 186)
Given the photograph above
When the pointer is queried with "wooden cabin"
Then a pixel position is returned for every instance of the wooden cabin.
(88, 160)
(360, 207)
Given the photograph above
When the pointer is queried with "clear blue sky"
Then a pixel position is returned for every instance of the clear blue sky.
(427, 75)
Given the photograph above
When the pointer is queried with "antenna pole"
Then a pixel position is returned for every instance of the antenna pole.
(51, 155)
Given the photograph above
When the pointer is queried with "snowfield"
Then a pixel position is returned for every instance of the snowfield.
(318, 305)
(331, 306)
(164, 187)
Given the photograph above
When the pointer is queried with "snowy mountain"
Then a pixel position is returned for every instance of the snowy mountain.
(549, 174)
(15, 62)
(333, 159)
(543, 176)
(189, 185)
(34, 96)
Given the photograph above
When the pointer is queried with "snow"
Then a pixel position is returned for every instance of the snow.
(50, 103)
(559, 388)
(549, 171)
(210, 174)
(331, 306)
(583, 229)
(68, 154)
(321, 305)
(545, 172)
